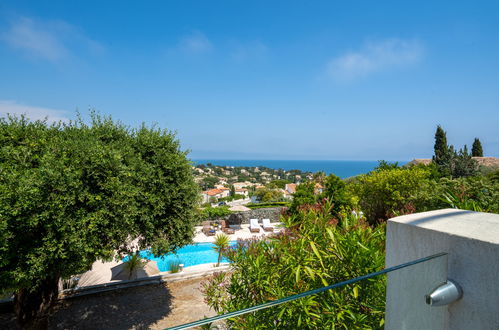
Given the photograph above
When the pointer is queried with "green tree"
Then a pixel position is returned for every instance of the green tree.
(277, 184)
(441, 148)
(387, 192)
(221, 244)
(477, 150)
(304, 195)
(133, 264)
(384, 165)
(463, 165)
(319, 177)
(335, 191)
(443, 153)
(71, 194)
(209, 182)
(268, 195)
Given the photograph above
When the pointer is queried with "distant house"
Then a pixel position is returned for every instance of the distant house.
(242, 191)
(225, 191)
(286, 194)
(290, 188)
(318, 189)
(217, 193)
(239, 185)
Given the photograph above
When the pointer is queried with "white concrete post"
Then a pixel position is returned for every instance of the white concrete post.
(471, 240)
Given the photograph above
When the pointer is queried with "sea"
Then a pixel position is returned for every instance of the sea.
(342, 168)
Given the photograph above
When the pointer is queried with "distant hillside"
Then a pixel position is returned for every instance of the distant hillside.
(489, 162)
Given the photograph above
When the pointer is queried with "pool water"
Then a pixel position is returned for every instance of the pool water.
(189, 255)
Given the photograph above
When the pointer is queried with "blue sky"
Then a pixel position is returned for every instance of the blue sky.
(351, 80)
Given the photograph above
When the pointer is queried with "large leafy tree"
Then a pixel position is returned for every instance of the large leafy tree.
(71, 194)
(477, 150)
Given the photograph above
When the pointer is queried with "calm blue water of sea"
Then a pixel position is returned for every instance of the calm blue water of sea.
(341, 168)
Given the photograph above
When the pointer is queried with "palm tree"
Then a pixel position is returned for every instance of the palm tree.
(133, 264)
(221, 243)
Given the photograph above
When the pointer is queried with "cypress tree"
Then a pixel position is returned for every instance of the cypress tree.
(441, 148)
(477, 150)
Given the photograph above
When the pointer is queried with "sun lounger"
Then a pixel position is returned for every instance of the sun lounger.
(207, 229)
(266, 225)
(226, 229)
(254, 226)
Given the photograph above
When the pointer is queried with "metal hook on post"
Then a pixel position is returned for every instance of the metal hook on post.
(444, 294)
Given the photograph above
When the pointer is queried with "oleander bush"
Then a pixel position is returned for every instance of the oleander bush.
(315, 251)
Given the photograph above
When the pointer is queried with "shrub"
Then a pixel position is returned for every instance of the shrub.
(304, 195)
(214, 212)
(175, 266)
(266, 205)
(386, 192)
(268, 195)
(473, 193)
(316, 251)
(335, 190)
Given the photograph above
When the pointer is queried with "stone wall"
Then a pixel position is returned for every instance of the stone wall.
(272, 213)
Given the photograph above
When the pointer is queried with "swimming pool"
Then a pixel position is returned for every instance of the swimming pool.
(189, 255)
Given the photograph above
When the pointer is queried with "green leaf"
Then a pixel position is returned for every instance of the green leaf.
(297, 274)
(356, 292)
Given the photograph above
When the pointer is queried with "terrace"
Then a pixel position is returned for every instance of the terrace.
(424, 252)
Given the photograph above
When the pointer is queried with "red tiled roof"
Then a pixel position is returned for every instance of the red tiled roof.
(212, 192)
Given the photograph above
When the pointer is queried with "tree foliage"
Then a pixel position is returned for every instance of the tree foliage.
(315, 252)
(386, 192)
(74, 193)
(304, 195)
(477, 150)
(462, 164)
(450, 162)
(268, 195)
(335, 191)
(442, 152)
(277, 184)
(214, 212)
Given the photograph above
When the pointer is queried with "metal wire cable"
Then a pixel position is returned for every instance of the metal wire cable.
(303, 294)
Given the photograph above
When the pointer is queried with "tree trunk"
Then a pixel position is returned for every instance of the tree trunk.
(32, 306)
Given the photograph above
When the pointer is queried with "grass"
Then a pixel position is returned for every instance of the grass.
(175, 266)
